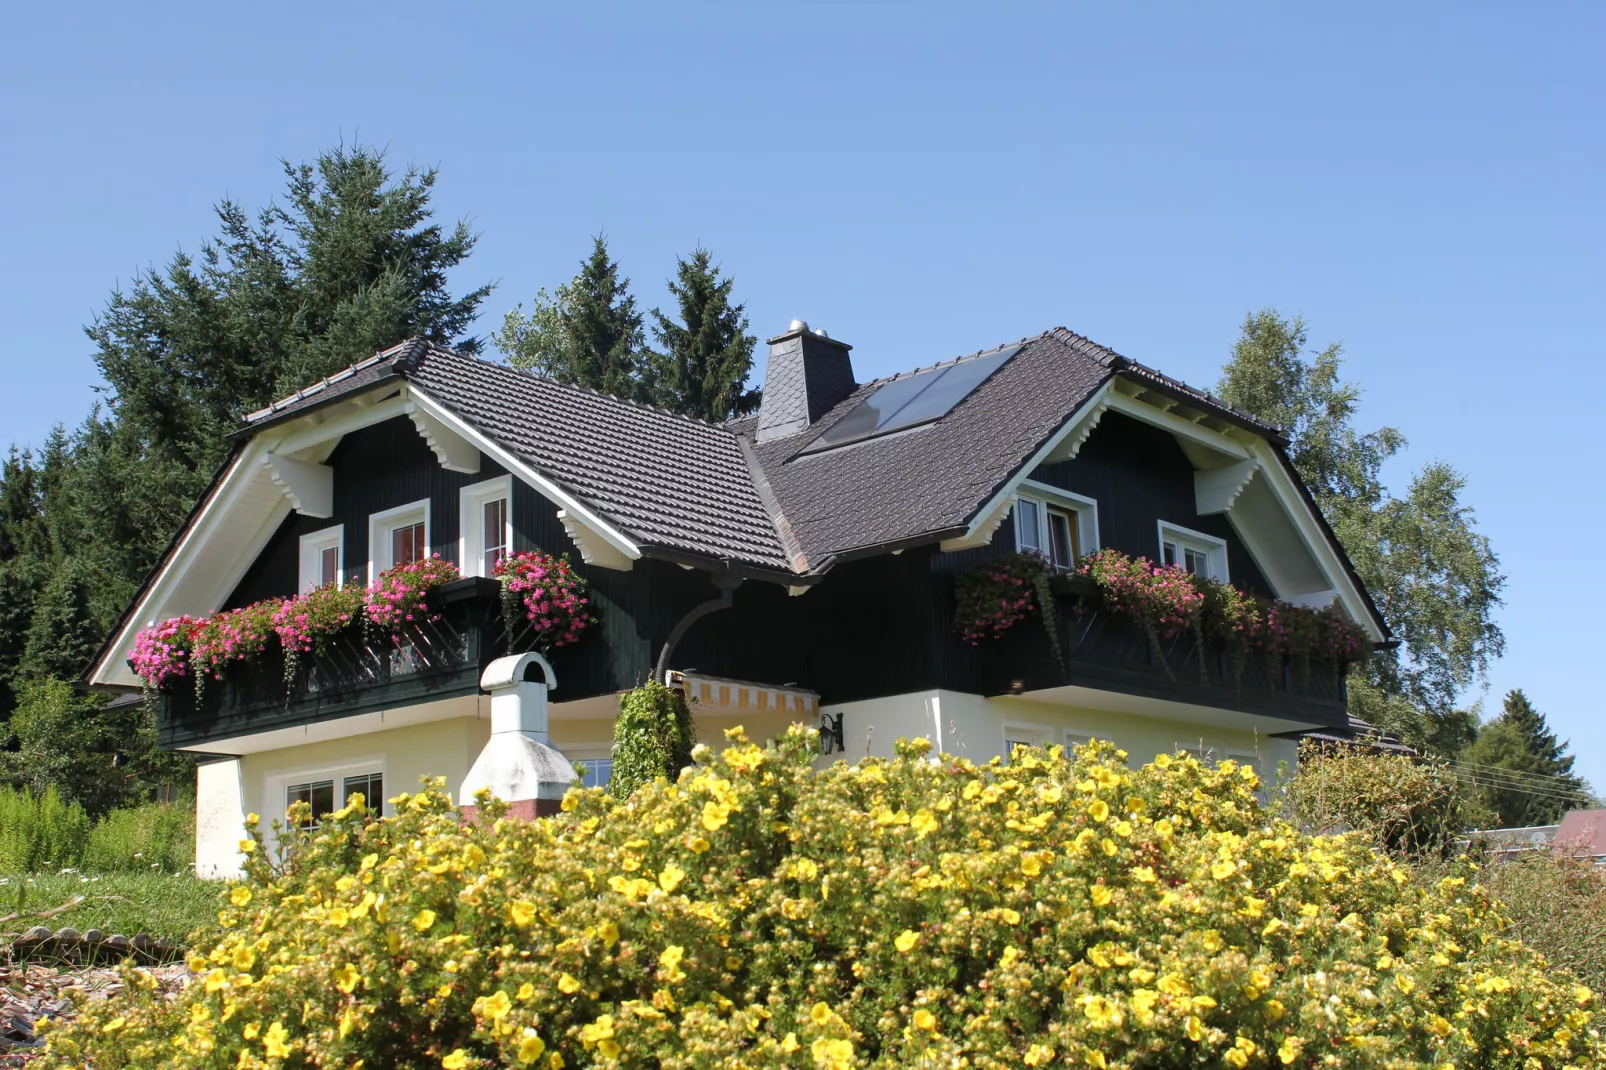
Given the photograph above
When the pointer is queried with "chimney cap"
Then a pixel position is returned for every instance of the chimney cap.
(797, 325)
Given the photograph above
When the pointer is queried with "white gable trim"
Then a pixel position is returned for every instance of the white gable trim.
(453, 451)
(310, 487)
(1076, 429)
(613, 549)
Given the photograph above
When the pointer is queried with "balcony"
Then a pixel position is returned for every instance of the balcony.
(1109, 653)
(438, 659)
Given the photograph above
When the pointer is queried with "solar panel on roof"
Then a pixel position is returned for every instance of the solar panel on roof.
(916, 399)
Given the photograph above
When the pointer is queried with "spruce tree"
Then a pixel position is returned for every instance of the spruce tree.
(1522, 771)
(588, 334)
(708, 354)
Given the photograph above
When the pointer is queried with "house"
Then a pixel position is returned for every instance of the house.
(797, 564)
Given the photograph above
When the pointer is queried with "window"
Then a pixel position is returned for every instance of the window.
(1203, 555)
(485, 528)
(327, 790)
(398, 536)
(1058, 524)
(596, 772)
(914, 399)
(1027, 735)
(322, 555)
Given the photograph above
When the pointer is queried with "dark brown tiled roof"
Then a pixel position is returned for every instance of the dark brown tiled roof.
(933, 477)
(666, 480)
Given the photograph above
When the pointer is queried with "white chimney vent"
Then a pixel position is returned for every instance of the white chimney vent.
(797, 325)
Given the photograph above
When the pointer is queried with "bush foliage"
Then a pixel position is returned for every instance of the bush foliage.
(905, 912)
(1404, 805)
(652, 737)
(42, 832)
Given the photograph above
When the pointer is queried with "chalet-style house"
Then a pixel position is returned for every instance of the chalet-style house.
(795, 565)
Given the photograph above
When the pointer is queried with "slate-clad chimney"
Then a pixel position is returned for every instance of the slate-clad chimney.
(807, 374)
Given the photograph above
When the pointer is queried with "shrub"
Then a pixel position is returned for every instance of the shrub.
(155, 836)
(1404, 805)
(40, 831)
(897, 913)
(652, 738)
(1557, 905)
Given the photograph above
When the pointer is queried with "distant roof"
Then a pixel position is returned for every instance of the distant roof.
(1359, 733)
(1585, 831)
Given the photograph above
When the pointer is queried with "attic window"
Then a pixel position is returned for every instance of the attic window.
(1203, 555)
(914, 399)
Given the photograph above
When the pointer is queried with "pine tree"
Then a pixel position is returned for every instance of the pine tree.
(63, 634)
(589, 334)
(1432, 574)
(1522, 771)
(708, 354)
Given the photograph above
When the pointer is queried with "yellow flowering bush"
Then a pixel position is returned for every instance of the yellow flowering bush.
(1058, 911)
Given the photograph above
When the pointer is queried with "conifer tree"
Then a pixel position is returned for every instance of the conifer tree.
(587, 334)
(707, 355)
(1523, 773)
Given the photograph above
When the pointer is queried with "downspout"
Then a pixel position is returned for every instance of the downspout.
(727, 584)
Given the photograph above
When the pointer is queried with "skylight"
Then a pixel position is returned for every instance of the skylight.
(916, 399)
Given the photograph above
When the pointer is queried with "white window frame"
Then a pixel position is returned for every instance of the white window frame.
(1214, 549)
(313, 545)
(1037, 735)
(1083, 508)
(578, 753)
(381, 524)
(277, 783)
(471, 522)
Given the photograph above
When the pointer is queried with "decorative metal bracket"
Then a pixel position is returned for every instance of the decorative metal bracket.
(831, 741)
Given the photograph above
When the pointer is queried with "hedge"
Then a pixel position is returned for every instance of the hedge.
(1057, 911)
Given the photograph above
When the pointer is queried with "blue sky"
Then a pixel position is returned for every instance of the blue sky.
(1422, 182)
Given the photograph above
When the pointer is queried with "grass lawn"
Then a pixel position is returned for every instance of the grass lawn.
(166, 905)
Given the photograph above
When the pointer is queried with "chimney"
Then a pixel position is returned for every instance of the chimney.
(808, 373)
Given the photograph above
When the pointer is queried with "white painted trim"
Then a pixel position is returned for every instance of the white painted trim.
(1091, 409)
(227, 491)
(309, 575)
(471, 522)
(310, 487)
(1169, 421)
(294, 439)
(387, 520)
(1215, 548)
(1215, 489)
(573, 507)
(453, 451)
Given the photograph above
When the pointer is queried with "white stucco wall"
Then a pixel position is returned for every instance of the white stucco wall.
(975, 727)
(219, 818)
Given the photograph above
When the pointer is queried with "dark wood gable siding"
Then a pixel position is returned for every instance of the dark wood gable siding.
(389, 464)
(376, 468)
(1139, 476)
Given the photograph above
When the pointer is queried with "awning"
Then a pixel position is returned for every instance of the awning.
(717, 694)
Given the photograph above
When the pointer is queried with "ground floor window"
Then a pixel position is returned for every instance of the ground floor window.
(326, 791)
(597, 772)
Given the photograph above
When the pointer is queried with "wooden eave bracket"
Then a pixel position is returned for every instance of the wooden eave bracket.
(1215, 489)
(594, 549)
(310, 487)
(454, 452)
(980, 533)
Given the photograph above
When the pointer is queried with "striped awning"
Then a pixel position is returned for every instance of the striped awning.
(716, 694)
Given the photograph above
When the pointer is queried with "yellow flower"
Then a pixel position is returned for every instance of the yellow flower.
(251, 1030)
(1101, 895)
(240, 895)
(244, 958)
(670, 961)
(568, 985)
(906, 940)
(1102, 1013)
(1288, 1050)
(455, 1061)
(1163, 828)
(348, 1022)
(1143, 873)
(925, 1020)
(924, 823)
(715, 815)
(526, 992)
(521, 913)
(346, 978)
(609, 933)
(597, 1031)
(699, 845)
(1011, 917)
(114, 1025)
(671, 876)
(1223, 868)
(1031, 865)
(253, 819)
(1038, 1055)
(832, 1054)
(274, 1042)
(248, 846)
(495, 1006)
(819, 1014)
(1099, 810)
(531, 1048)
(424, 920)
(1195, 1028)
(1162, 760)
(789, 1043)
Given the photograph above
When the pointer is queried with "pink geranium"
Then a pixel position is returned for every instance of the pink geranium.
(162, 652)
(994, 598)
(552, 593)
(234, 635)
(306, 623)
(397, 597)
